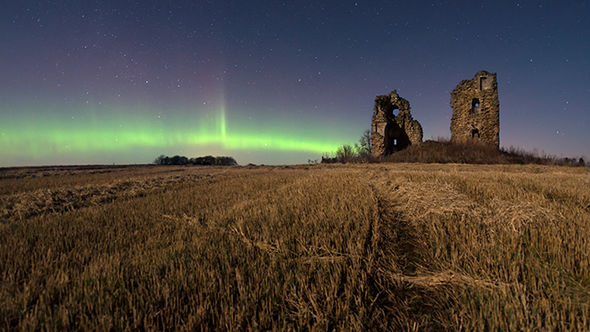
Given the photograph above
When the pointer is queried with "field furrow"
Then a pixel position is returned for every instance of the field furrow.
(353, 247)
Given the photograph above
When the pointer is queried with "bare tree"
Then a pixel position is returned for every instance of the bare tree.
(364, 148)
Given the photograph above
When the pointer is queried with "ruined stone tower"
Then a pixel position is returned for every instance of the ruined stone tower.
(476, 110)
(392, 126)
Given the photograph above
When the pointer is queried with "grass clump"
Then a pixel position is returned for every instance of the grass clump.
(444, 151)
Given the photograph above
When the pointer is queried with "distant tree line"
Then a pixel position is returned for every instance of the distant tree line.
(205, 161)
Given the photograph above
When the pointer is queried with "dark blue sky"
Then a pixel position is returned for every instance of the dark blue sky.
(279, 70)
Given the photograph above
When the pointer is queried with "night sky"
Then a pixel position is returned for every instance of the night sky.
(87, 82)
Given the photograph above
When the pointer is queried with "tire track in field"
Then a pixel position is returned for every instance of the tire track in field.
(414, 300)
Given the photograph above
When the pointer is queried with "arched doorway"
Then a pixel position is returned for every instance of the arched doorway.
(396, 138)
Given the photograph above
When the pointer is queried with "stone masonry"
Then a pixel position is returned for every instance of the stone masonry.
(476, 111)
(391, 132)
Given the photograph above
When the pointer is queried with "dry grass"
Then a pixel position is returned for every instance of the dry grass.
(443, 151)
(377, 246)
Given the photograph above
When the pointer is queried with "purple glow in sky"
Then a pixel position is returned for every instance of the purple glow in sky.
(125, 81)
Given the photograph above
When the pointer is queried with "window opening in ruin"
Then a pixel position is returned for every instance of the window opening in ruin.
(474, 105)
(481, 82)
(474, 133)
(395, 111)
(395, 142)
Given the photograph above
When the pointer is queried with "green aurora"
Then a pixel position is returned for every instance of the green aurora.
(53, 137)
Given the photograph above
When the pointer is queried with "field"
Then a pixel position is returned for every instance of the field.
(364, 246)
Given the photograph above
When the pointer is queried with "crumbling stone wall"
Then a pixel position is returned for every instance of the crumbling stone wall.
(391, 132)
(476, 110)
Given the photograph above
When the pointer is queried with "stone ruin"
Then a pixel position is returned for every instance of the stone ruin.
(476, 111)
(392, 127)
(476, 117)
